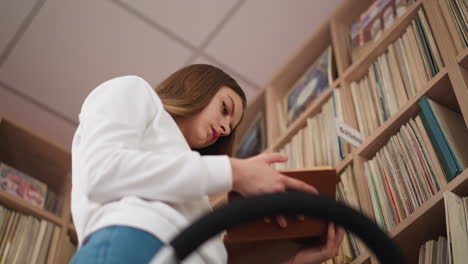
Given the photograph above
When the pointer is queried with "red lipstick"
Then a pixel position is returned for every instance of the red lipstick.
(215, 134)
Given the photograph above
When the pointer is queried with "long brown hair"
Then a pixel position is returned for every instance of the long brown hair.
(190, 89)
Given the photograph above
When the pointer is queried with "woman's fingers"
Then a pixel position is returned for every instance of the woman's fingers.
(282, 221)
(330, 235)
(334, 238)
(339, 235)
(291, 183)
(271, 158)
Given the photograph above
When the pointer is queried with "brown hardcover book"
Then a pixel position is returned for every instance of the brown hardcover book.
(322, 178)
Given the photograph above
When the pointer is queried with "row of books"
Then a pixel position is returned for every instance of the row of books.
(434, 252)
(347, 192)
(317, 144)
(459, 12)
(401, 176)
(370, 25)
(453, 248)
(27, 188)
(456, 222)
(397, 75)
(26, 239)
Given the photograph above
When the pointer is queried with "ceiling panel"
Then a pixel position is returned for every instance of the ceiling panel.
(35, 118)
(12, 14)
(73, 46)
(264, 34)
(250, 91)
(192, 21)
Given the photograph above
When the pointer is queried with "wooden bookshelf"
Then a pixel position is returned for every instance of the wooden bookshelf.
(36, 156)
(448, 87)
(463, 58)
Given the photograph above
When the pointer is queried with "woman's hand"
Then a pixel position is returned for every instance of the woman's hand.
(317, 255)
(255, 176)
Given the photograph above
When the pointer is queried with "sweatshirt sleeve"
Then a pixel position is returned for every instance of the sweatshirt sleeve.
(113, 121)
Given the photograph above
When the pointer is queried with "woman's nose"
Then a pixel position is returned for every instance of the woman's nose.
(225, 130)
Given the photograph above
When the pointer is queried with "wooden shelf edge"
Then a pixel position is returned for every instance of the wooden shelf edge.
(455, 183)
(344, 163)
(375, 135)
(364, 258)
(17, 204)
(302, 118)
(400, 228)
(351, 69)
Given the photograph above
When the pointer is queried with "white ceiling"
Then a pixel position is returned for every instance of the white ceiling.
(54, 52)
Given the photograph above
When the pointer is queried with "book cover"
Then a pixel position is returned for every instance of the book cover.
(22, 185)
(437, 140)
(456, 228)
(309, 87)
(422, 34)
(446, 129)
(322, 178)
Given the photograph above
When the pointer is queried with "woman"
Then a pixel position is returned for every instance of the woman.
(142, 168)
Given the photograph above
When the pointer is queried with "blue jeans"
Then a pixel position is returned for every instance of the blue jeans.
(118, 244)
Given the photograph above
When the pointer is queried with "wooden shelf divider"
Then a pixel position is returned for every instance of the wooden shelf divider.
(25, 207)
(344, 163)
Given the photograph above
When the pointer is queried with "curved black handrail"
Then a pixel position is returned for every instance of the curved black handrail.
(289, 203)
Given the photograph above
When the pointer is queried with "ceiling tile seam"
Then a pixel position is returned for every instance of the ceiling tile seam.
(154, 24)
(21, 30)
(35, 102)
(200, 49)
(178, 39)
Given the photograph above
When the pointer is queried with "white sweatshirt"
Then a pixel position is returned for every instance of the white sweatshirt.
(132, 166)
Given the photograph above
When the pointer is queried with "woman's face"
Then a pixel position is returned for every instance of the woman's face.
(217, 119)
